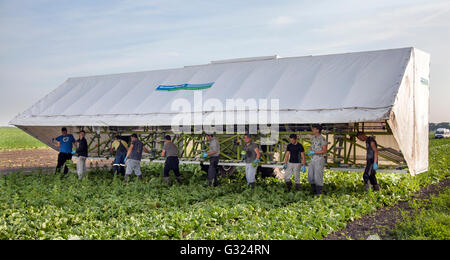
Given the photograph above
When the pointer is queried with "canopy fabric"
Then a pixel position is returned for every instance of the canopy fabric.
(341, 88)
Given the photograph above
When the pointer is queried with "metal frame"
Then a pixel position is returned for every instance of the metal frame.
(341, 151)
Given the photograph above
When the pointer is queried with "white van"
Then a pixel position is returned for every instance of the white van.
(442, 133)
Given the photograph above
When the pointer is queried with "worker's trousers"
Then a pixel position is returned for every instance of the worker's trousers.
(172, 164)
(62, 158)
(370, 174)
(212, 170)
(81, 166)
(292, 168)
(119, 163)
(315, 170)
(250, 173)
(133, 165)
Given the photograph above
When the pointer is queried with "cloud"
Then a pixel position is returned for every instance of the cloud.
(282, 20)
(387, 24)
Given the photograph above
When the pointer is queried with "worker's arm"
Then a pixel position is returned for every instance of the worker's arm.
(206, 154)
(111, 149)
(74, 145)
(163, 153)
(56, 142)
(258, 154)
(129, 150)
(211, 153)
(215, 144)
(212, 145)
(323, 151)
(375, 151)
(303, 158)
(287, 156)
(146, 150)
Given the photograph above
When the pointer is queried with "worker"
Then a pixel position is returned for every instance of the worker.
(214, 152)
(369, 175)
(252, 158)
(294, 152)
(170, 151)
(82, 152)
(120, 147)
(134, 157)
(65, 142)
(318, 150)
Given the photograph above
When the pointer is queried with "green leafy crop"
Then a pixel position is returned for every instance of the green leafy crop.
(101, 206)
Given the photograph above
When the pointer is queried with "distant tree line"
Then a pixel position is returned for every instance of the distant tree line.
(435, 126)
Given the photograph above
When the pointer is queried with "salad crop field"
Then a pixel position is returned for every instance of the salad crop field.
(430, 223)
(14, 138)
(47, 206)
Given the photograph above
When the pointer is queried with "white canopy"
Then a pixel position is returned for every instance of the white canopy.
(342, 88)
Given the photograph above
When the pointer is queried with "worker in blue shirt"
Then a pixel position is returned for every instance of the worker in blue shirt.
(65, 142)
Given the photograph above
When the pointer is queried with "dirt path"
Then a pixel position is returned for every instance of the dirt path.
(380, 222)
(28, 160)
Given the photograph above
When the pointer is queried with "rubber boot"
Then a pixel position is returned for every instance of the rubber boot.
(179, 180)
(376, 187)
(122, 170)
(167, 180)
(288, 185)
(251, 185)
(366, 187)
(115, 170)
(140, 177)
(318, 190)
(297, 186)
(127, 177)
(313, 189)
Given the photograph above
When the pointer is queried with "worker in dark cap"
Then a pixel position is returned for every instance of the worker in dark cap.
(134, 157)
(317, 151)
(120, 147)
(371, 161)
(170, 151)
(252, 158)
(214, 152)
(65, 142)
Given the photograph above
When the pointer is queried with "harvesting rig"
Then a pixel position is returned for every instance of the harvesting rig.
(384, 93)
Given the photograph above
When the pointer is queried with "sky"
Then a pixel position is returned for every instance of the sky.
(42, 42)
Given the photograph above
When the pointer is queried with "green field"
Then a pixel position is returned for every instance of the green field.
(432, 222)
(12, 138)
(43, 206)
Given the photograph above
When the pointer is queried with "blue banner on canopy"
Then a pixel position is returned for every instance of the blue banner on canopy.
(184, 86)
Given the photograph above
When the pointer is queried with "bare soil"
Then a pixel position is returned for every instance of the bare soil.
(28, 160)
(385, 219)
